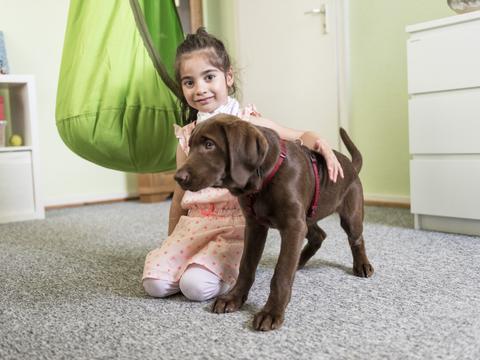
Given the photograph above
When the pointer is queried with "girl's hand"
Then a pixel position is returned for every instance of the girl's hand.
(309, 139)
(333, 165)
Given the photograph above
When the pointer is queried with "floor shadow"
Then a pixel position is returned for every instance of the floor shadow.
(319, 263)
(270, 261)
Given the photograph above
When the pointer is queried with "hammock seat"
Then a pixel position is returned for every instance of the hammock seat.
(116, 100)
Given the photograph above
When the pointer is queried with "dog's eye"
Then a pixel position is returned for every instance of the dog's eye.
(209, 144)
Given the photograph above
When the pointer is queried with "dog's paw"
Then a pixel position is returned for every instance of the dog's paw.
(226, 304)
(363, 270)
(266, 321)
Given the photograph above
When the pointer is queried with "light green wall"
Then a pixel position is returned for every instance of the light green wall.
(219, 19)
(379, 113)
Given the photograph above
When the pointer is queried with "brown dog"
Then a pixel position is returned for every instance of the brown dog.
(276, 188)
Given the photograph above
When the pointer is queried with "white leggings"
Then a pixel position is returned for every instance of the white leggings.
(197, 283)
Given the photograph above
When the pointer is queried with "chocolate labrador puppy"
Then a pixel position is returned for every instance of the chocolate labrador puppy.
(279, 184)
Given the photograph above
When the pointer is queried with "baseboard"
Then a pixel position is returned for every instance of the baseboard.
(81, 200)
(387, 200)
(73, 201)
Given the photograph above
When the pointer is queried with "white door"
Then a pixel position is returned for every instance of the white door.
(287, 62)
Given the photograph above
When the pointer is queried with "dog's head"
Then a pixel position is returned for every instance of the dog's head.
(225, 151)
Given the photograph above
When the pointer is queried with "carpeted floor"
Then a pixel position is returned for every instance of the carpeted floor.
(70, 289)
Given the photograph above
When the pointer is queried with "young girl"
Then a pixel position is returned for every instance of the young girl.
(201, 255)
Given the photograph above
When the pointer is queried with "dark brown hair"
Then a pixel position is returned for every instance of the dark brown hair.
(217, 55)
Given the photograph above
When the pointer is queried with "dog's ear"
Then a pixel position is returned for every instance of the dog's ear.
(247, 148)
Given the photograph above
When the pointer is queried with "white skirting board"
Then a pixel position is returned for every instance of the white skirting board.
(87, 198)
(95, 198)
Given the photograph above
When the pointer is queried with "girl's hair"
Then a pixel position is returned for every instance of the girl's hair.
(217, 55)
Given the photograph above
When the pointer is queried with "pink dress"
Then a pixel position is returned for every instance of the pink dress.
(210, 235)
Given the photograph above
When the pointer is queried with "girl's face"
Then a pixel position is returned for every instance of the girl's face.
(204, 86)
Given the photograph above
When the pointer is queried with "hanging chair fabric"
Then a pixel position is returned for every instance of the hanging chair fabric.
(116, 102)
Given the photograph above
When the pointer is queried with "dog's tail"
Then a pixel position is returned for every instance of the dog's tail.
(352, 149)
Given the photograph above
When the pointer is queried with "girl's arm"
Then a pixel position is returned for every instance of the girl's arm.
(176, 210)
(308, 138)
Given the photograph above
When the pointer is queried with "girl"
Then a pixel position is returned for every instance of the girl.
(201, 255)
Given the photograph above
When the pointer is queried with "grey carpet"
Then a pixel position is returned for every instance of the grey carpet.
(70, 289)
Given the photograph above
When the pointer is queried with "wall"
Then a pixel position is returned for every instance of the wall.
(34, 32)
(378, 120)
(379, 101)
(219, 18)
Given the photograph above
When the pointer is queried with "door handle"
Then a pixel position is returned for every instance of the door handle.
(322, 10)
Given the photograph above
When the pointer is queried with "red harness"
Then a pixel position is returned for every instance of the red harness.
(283, 155)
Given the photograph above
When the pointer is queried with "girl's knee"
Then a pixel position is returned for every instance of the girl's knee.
(159, 287)
(200, 284)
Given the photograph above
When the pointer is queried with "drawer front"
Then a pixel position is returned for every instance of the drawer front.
(448, 58)
(445, 123)
(16, 183)
(445, 187)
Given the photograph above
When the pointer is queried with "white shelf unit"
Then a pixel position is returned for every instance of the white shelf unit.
(20, 197)
(444, 123)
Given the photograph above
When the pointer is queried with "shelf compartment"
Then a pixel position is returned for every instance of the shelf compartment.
(16, 185)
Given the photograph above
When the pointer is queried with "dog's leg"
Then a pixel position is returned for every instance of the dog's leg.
(254, 243)
(272, 315)
(315, 237)
(351, 220)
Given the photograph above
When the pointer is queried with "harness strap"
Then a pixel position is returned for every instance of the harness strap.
(314, 205)
(283, 155)
(252, 197)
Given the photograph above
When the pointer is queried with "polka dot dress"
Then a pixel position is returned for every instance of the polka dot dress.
(211, 235)
(214, 241)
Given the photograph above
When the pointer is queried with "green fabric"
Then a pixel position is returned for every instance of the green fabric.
(112, 106)
(160, 23)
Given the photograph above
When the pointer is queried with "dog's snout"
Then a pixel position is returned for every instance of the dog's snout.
(182, 177)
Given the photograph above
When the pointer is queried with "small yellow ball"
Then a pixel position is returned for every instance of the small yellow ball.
(16, 140)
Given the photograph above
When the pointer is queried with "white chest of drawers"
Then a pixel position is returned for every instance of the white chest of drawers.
(444, 123)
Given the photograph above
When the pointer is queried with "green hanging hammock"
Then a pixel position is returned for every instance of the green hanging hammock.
(116, 104)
